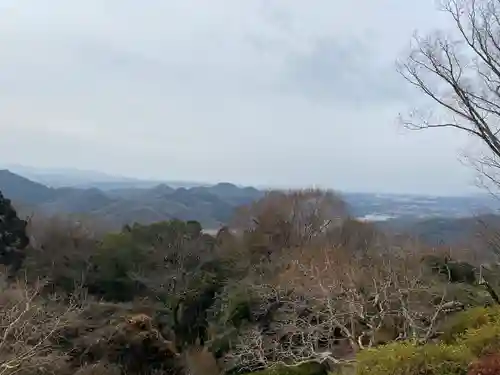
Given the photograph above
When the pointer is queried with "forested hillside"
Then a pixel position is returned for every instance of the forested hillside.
(434, 220)
(294, 286)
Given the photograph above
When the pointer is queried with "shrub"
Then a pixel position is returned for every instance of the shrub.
(113, 263)
(469, 295)
(483, 340)
(454, 271)
(111, 334)
(405, 358)
(473, 318)
(489, 365)
(144, 261)
(305, 369)
(234, 305)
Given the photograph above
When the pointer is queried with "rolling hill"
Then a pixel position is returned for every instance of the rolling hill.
(211, 205)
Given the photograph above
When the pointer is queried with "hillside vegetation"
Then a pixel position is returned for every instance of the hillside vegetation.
(293, 282)
(293, 286)
(435, 221)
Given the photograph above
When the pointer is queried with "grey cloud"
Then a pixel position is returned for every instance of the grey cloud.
(256, 92)
(344, 71)
(277, 16)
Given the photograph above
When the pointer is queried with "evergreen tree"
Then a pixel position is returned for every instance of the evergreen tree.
(13, 237)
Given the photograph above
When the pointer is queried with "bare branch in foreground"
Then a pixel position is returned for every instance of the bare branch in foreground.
(29, 327)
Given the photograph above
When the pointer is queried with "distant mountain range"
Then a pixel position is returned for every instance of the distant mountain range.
(211, 205)
(117, 201)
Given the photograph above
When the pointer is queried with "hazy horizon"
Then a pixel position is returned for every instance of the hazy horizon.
(90, 176)
(262, 93)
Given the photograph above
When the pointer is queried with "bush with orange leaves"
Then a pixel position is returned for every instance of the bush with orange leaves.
(488, 365)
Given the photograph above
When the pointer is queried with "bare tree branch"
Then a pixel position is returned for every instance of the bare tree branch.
(27, 327)
(334, 304)
(461, 76)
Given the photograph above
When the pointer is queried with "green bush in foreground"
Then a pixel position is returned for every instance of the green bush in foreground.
(482, 341)
(405, 358)
(473, 318)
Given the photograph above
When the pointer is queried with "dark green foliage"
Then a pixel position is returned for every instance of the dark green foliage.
(234, 306)
(467, 294)
(462, 272)
(126, 262)
(169, 261)
(312, 368)
(239, 313)
(113, 266)
(13, 237)
(454, 271)
(222, 343)
(191, 322)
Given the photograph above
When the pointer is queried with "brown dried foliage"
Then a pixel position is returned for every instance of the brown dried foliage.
(291, 219)
(488, 365)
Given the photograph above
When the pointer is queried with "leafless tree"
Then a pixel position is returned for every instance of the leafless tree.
(333, 304)
(460, 73)
(291, 219)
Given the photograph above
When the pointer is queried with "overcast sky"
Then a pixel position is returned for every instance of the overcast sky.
(283, 93)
